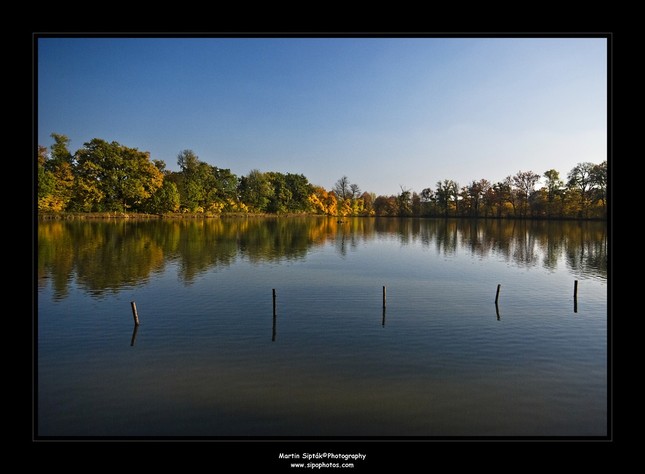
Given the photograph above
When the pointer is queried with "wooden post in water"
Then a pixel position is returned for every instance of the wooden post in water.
(384, 296)
(274, 302)
(575, 296)
(497, 294)
(273, 329)
(135, 315)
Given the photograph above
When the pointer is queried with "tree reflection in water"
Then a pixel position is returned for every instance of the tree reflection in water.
(106, 255)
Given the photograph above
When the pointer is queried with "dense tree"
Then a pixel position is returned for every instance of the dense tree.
(188, 162)
(475, 193)
(45, 180)
(404, 203)
(582, 179)
(386, 206)
(368, 203)
(60, 150)
(416, 204)
(205, 188)
(163, 200)
(256, 191)
(524, 182)
(299, 191)
(55, 175)
(224, 191)
(428, 199)
(194, 182)
(488, 200)
(323, 201)
(599, 181)
(554, 189)
(113, 177)
(507, 194)
(349, 198)
(446, 193)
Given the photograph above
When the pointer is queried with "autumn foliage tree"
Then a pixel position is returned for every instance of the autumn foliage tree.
(323, 201)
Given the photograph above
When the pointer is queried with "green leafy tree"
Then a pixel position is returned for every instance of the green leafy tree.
(163, 200)
(56, 177)
(112, 177)
(189, 183)
(45, 180)
(60, 150)
(281, 197)
(300, 190)
(88, 195)
(291, 192)
(256, 191)
(188, 161)
(203, 187)
(225, 188)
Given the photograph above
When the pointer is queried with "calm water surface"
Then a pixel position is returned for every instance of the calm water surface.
(209, 358)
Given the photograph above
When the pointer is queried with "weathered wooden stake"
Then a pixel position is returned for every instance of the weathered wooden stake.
(384, 296)
(497, 311)
(383, 320)
(497, 295)
(274, 302)
(575, 296)
(135, 315)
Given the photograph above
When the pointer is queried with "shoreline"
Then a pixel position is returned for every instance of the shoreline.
(49, 216)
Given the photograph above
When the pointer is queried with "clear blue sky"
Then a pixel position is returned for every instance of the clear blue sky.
(386, 112)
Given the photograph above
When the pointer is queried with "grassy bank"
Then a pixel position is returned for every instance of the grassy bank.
(247, 215)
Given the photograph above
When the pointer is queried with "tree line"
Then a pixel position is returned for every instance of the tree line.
(109, 177)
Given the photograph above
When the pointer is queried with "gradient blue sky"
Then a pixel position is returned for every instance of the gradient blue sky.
(386, 112)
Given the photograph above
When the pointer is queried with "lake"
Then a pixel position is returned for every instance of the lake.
(210, 358)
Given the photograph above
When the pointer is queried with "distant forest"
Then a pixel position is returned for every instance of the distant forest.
(109, 177)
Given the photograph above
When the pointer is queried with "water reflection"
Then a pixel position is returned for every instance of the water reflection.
(105, 256)
(134, 335)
